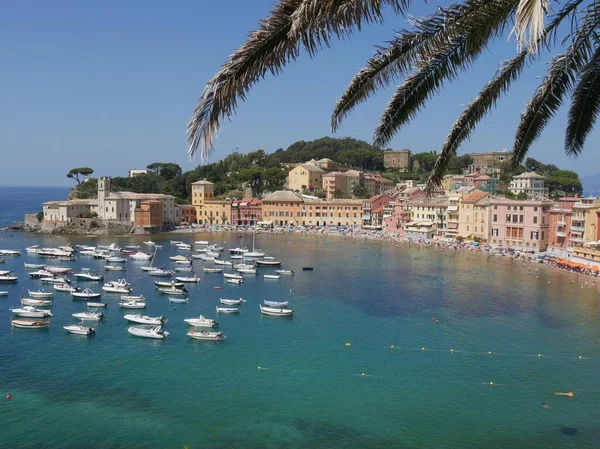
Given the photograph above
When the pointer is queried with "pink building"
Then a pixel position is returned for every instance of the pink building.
(410, 195)
(561, 216)
(394, 224)
(372, 215)
(247, 211)
(520, 224)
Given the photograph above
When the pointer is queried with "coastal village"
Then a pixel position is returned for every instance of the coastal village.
(467, 207)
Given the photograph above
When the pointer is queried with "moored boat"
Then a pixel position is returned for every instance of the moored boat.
(156, 332)
(97, 304)
(64, 288)
(173, 291)
(79, 330)
(55, 280)
(143, 319)
(207, 336)
(36, 302)
(307, 268)
(268, 263)
(114, 268)
(212, 270)
(31, 312)
(184, 269)
(8, 279)
(201, 321)
(26, 324)
(168, 284)
(140, 256)
(191, 280)
(179, 300)
(40, 274)
(132, 304)
(161, 273)
(275, 311)
(40, 294)
(247, 270)
(233, 276)
(276, 304)
(88, 276)
(227, 309)
(235, 281)
(223, 262)
(90, 315)
(35, 266)
(231, 302)
(85, 294)
(271, 276)
(3, 293)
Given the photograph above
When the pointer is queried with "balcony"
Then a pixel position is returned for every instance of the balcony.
(561, 223)
(366, 217)
(561, 234)
(578, 218)
(577, 229)
(577, 239)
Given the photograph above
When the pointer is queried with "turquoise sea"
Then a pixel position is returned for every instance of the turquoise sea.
(383, 390)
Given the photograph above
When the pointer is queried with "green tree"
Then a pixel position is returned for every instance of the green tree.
(155, 167)
(75, 173)
(436, 50)
(426, 161)
(521, 196)
(341, 195)
(566, 181)
(360, 192)
(170, 171)
(40, 216)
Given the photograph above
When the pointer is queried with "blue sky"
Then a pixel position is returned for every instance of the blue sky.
(112, 85)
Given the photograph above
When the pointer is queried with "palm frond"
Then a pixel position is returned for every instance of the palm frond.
(477, 109)
(530, 15)
(442, 66)
(585, 106)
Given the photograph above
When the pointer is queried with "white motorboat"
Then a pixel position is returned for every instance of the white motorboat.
(191, 280)
(161, 273)
(183, 262)
(26, 324)
(275, 311)
(156, 332)
(31, 312)
(34, 266)
(41, 274)
(148, 268)
(115, 259)
(176, 258)
(212, 254)
(88, 276)
(271, 276)
(201, 321)
(233, 276)
(116, 287)
(231, 302)
(286, 272)
(114, 268)
(90, 315)
(238, 250)
(173, 291)
(8, 279)
(179, 300)
(168, 284)
(40, 294)
(268, 258)
(32, 249)
(215, 248)
(201, 242)
(140, 256)
(235, 281)
(227, 309)
(64, 288)
(10, 252)
(55, 281)
(36, 302)
(243, 265)
(176, 242)
(85, 294)
(206, 258)
(149, 242)
(97, 304)
(184, 269)
(3, 293)
(276, 304)
(143, 319)
(132, 298)
(236, 256)
(207, 336)
(212, 270)
(87, 252)
(132, 304)
(223, 262)
(79, 330)
(268, 263)
(247, 270)
(58, 270)
(184, 247)
(197, 256)
(132, 247)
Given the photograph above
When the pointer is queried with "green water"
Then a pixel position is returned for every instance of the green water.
(118, 391)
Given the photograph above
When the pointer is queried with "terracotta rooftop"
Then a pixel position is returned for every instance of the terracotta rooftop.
(476, 196)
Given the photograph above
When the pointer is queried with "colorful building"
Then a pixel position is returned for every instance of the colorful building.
(474, 216)
(560, 219)
(335, 181)
(397, 159)
(188, 213)
(529, 183)
(376, 184)
(150, 215)
(282, 208)
(372, 211)
(337, 212)
(208, 209)
(247, 211)
(305, 177)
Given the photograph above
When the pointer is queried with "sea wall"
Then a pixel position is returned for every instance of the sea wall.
(87, 226)
(31, 223)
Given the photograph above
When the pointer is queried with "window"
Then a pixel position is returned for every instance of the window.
(521, 208)
(508, 218)
(495, 217)
(467, 228)
(534, 220)
(495, 233)
(534, 235)
(515, 218)
(520, 218)
(543, 235)
(495, 207)
(535, 208)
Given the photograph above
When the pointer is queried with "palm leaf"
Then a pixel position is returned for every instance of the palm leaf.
(585, 106)
(530, 15)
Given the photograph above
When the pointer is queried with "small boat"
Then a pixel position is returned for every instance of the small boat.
(85, 294)
(201, 321)
(254, 254)
(231, 302)
(233, 276)
(286, 272)
(173, 291)
(201, 242)
(235, 281)
(31, 312)
(25, 324)
(132, 304)
(275, 311)
(114, 268)
(212, 270)
(91, 315)
(97, 304)
(58, 270)
(236, 256)
(176, 258)
(161, 273)
(36, 302)
(268, 263)
(3, 293)
(247, 270)
(32, 249)
(79, 330)
(87, 276)
(307, 268)
(41, 274)
(268, 258)
(35, 266)
(64, 288)
(276, 304)
(179, 300)
(113, 287)
(176, 242)
(143, 319)
(55, 281)
(218, 287)
(207, 336)
(238, 250)
(184, 269)
(212, 254)
(206, 258)
(116, 259)
(7, 279)
(132, 298)
(192, 280)
(40, 294)
(223, 262)
(10, 252)
(128, 252)
(132, 247)
(149, 242)
(243, 265)
(271, 276)
(140, 256)
(197, 256)
(227, 309)
(215, 248)
(183, 262)
(168, 284)
(156, 332)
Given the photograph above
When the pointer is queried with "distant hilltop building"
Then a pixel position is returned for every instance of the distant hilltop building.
(397, 159)
(488, 163)
(529, 183)
(138, 172)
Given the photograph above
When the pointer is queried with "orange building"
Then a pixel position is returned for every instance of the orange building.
(282, 208)
(149, 214)
(188, 213)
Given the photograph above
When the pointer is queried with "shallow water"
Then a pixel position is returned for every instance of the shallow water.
(117, 391)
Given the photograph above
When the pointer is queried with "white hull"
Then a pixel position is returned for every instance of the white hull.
(272, 311)
(132, 305)
(179, 300)
(40, 294)
(85, 295)
(97, 304)
(233, 276)
(142, 319)
(212, 270)
(206, 336)
(23, 324)
(235, 281)
(88, 316)
(231, 302)
(36, 302)
(79, 330)
(31, 312)
(271, 276)
(155, 333)
(228, 309)
(193, 280)
(200, 322)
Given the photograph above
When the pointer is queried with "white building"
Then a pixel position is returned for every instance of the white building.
(529, 183)
(138, 172)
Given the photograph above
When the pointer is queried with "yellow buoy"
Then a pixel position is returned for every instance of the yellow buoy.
(423, 348)
(451, 350)
(539, 355)
(348, 344)
(580, 357)
(489, 352)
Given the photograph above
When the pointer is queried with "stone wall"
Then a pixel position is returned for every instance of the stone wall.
(31, 223)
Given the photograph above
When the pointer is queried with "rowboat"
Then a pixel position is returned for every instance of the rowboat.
(64, 288)
(201, 321)
(90, 315)
(35, 266)
(58, 270)
(235, 281)
(25, 324)
(184, 269)
(40, 294)
(268, 263)
(97, 304)
(132, 298)
(233, 276)
(197, 256)
(223, 262)
(271, 276)
(212, 270)
(176, 242)
(274, 311)
(168, 284)
(307, 268)
(156, 332)
(207, 336)
(87, 276)
(179, 300)
(85, 294)
(143, 319)
(193, 280)
(132, 304)
(227, 309)
(10, 252)
(36, 302)
(31, 312)
(114, 268)
(231, 302)
(276, 304)
(161, 273)
(287, 272)
(173, 291)
(79, 330)
(201, 242)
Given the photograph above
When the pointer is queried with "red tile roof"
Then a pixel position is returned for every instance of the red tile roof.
(475, 196)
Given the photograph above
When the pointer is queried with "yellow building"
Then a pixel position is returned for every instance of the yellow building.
(208, 209)
(332, 213)
(305, 176)
(474, 219)
(584, 227)
(282, 208)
